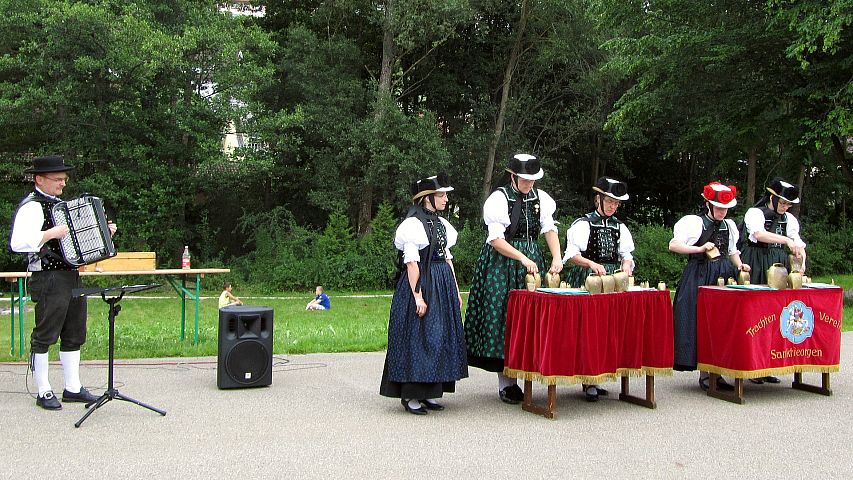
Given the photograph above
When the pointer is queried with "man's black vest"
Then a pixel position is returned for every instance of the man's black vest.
(50, 256)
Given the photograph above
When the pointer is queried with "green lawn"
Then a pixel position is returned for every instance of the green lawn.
(147, 328)
(150, 328)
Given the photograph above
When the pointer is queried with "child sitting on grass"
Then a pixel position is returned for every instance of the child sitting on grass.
(321, 300)
(226, 298)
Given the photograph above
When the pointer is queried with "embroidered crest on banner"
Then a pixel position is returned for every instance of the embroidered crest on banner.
(796, 322)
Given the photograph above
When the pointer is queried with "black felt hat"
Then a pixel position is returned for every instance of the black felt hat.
(430, 185)
(784, 190)
(612, 188)
(49, 164)
(525, 166)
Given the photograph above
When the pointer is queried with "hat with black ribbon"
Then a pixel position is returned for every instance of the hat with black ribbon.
(719, 195)
(784, 190)
(525, 166)
(430, 185)
(612, 188)
(48, 164)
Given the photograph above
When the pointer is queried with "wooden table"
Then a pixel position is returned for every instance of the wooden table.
(569, 339)
(19, 297)
(755, 333)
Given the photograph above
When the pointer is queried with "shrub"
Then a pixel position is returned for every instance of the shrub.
(291, 257)
(471, 238)
(655, 263)
(829, 248)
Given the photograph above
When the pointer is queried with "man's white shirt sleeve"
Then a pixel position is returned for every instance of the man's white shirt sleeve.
(26, 231)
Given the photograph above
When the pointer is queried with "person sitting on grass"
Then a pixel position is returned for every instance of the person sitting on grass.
(321, 300)
(226, 298)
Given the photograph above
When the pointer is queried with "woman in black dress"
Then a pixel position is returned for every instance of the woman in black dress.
(426, 342)
(769, 229)
(696, 235)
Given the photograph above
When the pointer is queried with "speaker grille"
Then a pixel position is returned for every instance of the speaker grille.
(247, 361)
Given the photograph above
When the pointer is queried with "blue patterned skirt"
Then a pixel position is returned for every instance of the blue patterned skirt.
(426, 355)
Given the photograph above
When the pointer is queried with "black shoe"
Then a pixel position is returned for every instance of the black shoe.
(703, 383)
(757, 381)
(413, 411)
(432, 405)
(772, 379)
(601, 391)
(724, 386)
(591, 393)
(83, 396)
(511, 395)
(48, 401)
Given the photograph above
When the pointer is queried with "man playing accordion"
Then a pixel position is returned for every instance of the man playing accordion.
(58, 316)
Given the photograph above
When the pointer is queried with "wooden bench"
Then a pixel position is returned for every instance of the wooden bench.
(124, 261)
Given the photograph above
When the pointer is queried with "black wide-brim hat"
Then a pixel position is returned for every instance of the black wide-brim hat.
(612, 188)
(430, 185)
(784, 190)
(49, 164)
(525, 166)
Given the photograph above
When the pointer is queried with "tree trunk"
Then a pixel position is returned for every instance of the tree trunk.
(365, 210)
(841, 159)
(388, 53)
(844, 165)
(389, 59)
(596, 170)
(512, 63)
(596, 159)
(751, 164)
(801, 180)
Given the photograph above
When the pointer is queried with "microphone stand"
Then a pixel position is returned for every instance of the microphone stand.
(112, 393)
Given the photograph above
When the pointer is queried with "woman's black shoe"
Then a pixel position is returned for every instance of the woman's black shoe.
(511, 395)
(434, 406)
(413, 411)
(767, 379)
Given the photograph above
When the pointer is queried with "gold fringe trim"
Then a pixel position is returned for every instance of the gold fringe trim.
(768, 371)
(576, 379)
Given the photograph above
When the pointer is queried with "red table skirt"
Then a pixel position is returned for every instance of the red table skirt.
(754, 333)
(569, 339)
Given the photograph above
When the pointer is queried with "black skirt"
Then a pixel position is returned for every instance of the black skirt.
(697, 273)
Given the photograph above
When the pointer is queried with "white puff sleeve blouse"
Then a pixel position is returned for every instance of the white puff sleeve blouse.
(689, 228)
(411, 237)
(754, 221)
(496, 214)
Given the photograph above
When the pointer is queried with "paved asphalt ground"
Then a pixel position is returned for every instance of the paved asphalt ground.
(323, 418)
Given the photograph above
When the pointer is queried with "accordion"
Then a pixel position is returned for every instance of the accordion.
(88, 239)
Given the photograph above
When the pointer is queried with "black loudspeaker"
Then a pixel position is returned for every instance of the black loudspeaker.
(245, 347)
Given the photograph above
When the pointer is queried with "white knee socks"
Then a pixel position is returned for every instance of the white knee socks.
(71, 370)
(40, 373)
(504, 381)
